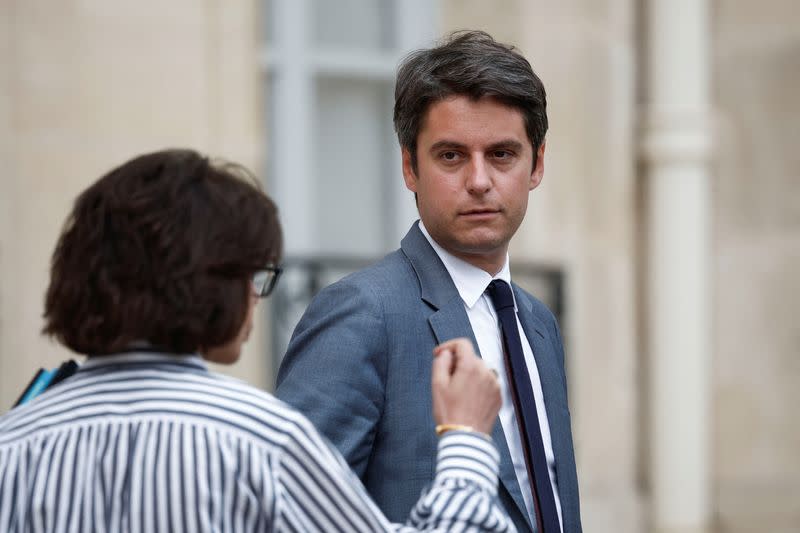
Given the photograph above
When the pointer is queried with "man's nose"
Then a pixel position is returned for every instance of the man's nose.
(479, 179)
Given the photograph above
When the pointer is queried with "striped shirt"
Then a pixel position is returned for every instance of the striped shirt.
(153, 442)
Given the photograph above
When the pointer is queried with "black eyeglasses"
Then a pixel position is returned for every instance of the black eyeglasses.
(264, 280)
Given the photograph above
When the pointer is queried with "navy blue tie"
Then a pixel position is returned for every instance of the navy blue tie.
(525, 407)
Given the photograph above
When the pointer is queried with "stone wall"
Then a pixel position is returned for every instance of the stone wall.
(757, 271)
(86, 85)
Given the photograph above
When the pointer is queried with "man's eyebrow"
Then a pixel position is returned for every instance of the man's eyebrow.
(444, 145)
(507, 144)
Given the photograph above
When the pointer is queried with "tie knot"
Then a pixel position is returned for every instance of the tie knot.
(500, 293)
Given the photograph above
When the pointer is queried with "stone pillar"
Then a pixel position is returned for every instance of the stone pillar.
(675, 150)
(293, 85)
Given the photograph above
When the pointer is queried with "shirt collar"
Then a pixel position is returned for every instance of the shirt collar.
(470, 281)
(138, 357)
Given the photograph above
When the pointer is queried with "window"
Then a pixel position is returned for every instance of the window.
(332, 157)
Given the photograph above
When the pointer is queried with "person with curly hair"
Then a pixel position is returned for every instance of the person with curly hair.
(158, 269)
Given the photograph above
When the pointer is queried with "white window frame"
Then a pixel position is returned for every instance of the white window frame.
(292, 62)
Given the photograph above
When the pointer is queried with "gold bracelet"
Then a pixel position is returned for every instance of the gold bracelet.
(444, 428)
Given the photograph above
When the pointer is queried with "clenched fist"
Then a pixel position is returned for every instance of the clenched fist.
(465, 392)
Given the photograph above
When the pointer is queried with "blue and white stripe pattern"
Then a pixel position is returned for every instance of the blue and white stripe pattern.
(153, 442)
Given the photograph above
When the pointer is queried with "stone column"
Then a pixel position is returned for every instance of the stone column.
(675, 150)
(291, 124)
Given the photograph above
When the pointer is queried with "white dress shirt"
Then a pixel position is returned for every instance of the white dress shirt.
(471, 283)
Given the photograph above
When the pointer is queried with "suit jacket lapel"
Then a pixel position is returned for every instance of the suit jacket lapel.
(449, 320)
(551, 378)
(436, 286)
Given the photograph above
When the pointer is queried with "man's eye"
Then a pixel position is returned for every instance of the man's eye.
(502, 154)
(449, 156)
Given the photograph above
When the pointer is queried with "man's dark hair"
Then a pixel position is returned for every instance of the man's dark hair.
(161, 249)
(472, 64)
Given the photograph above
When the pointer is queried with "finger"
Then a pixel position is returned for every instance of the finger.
(458, 346)
(452, 342)
(442, 368)
(447, 345)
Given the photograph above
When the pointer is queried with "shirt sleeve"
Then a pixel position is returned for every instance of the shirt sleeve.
(316, 490)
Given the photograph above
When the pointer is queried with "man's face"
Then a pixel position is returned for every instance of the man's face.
(474, 172)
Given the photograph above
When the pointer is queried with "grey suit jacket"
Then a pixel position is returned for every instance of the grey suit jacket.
(359, 366)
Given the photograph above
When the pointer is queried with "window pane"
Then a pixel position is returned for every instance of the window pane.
(352, 145)
(363, 24)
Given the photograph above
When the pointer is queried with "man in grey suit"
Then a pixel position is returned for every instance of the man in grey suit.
(471, 118)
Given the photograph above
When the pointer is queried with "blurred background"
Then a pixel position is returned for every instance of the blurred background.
(666, 233)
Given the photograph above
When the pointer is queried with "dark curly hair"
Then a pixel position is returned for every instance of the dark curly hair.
(471, 64)
(161, 249)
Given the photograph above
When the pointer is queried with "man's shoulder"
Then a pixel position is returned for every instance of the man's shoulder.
(390, 274)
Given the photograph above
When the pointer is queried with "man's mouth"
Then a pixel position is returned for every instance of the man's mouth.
(480, 213)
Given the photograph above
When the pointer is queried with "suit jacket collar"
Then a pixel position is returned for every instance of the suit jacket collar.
(436, 287)
(471, 281)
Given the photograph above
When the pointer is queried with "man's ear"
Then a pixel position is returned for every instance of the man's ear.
(538, 169)
(409, 175)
